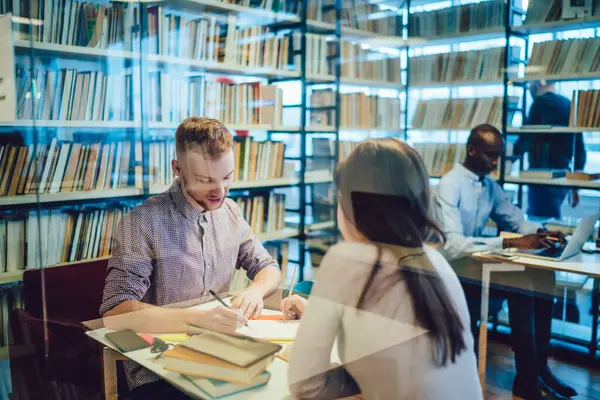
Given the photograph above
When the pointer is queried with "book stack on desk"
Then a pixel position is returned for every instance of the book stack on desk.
(221, 364)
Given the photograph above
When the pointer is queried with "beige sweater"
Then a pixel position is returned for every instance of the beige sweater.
(385, 354)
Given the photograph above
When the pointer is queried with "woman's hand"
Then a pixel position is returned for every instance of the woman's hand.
(293, 307)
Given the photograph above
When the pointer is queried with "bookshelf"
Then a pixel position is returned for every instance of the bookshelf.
(36, 54)
(522, 29)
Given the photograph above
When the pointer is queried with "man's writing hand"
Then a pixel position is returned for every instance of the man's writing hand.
(220, 319)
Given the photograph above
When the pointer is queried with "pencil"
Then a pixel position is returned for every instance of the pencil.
(291, 291)
(220, 300)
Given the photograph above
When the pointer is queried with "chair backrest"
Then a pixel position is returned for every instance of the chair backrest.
(72, 292)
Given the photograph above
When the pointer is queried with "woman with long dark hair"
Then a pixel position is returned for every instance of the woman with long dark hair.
(385, 294)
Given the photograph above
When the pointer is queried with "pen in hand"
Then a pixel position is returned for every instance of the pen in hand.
(220, 300)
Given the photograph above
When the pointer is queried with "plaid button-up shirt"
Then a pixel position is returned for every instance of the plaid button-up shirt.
(167, 252)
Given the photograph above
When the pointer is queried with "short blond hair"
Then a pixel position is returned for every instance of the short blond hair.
(210, 134)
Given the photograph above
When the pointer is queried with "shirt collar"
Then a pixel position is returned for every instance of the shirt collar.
(472, 176)
(184, 206)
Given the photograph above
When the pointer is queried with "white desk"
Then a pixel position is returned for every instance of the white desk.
(583, 263)
(275, 389)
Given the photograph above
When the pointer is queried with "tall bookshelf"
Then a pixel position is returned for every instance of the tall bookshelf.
(439, 138)
(146, 77)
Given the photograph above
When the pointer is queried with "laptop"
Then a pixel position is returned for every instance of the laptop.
(573, 247)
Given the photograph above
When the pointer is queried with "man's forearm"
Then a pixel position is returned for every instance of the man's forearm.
(267, 280)
(143, 317)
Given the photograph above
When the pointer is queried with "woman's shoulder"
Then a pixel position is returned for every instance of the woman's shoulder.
(440, 263)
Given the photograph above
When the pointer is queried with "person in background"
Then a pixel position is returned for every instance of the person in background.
(390, 298)
(181, 244)
(550, 151)
(465, 199)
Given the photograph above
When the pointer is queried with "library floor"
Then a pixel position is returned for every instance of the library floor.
(501, 372)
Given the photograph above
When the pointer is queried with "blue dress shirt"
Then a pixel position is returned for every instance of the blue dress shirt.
(462, 205)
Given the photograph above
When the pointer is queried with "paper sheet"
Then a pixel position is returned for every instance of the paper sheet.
(270, 330)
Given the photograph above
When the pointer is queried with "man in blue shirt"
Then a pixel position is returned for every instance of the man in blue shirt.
(465, 199)
(550, 151)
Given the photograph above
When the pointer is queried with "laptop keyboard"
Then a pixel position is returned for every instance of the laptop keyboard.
(554, 252)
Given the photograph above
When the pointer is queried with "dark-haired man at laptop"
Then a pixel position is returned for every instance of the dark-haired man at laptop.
(465, 199)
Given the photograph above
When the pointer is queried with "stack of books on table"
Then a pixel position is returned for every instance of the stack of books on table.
(221, 364)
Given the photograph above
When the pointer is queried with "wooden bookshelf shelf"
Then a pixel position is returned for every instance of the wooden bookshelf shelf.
(439, 129)
(248, 15)
(318, 178)
(286, 233)
(590, 76)
(571, 183)
(52, 49)
(551, 130)
(69, 196)
(371, 83)
(558, 26)
(11, 277)
(438, 85)
(463, 37)
(317, 226)
(243, 127)
(237, 185)
(99, 125)
(222, 68)
(347, 33)
(346, 81)
(374, 130)
(320, 128)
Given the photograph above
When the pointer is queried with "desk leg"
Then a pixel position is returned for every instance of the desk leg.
(486, 272)
(483, 330)
(595, 304)
(110, 358)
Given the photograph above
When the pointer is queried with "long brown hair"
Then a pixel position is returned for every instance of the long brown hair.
(383, 189)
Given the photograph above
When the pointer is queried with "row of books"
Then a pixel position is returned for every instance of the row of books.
(58, 236)
(75, 23)
(264, 213)
(540, 11)
(70, 94)
(68, 167)
(543, 174)
(588, 109)
(253, 160)
(210, 38)
(11, 297)
(467, 18)
(354, 15)
(460, 113)
(458, 66)
(280, 253)
(317, 51)
(559, 57)
(258, 160)
(357, 110)
(357, 62)
(173, 98)
(440, 158)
